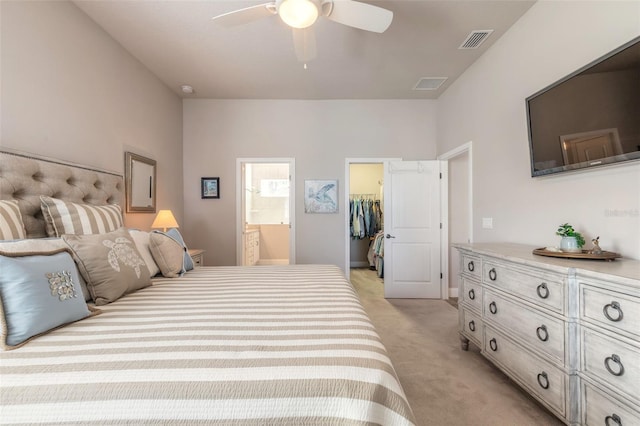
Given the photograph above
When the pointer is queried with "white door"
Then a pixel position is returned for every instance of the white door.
(412, 229)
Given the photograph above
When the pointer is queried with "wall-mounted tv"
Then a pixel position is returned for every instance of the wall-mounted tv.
(590, 118)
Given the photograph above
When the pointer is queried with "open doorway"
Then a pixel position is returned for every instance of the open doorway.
(366, 204)
(408, 193)
(458, 208)
(266, 212)
(364, 179)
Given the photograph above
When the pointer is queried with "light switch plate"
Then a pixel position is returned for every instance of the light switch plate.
(487, 223)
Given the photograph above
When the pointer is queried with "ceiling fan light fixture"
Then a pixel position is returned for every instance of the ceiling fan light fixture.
(298, 13)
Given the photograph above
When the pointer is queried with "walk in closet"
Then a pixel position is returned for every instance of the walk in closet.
(366, 218)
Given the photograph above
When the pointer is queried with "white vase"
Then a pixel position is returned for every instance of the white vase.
(569, 245)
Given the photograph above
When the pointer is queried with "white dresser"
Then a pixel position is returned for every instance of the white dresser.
(567, 331)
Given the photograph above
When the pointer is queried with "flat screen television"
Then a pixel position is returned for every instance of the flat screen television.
(590, 118)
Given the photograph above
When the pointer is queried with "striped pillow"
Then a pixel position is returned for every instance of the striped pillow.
(11, 224)
(63, 217)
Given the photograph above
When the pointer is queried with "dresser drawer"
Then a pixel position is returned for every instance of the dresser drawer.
(471, 266)
(600, 409)
(541, 332)
(472, 326)
(544, 289)
(611, 309)
(542, 379)
(611, 361)
(471, 294)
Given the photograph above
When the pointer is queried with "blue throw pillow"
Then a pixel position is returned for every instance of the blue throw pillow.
(39, 292)
(175, 234)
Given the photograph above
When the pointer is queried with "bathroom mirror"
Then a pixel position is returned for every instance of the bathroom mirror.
(140, 182)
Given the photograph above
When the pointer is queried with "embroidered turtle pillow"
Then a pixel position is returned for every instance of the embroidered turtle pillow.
(110, 263)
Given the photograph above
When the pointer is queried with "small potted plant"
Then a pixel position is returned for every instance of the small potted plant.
(572, 241)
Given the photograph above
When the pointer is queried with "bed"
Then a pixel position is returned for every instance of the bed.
(216, 345)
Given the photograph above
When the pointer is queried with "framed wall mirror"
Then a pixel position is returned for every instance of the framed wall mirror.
(140, 183)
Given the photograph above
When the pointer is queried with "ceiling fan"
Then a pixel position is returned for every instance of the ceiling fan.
(300, 15)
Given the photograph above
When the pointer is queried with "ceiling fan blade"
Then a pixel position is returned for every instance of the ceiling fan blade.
(358, 15)
(304, 42)
(246, 15)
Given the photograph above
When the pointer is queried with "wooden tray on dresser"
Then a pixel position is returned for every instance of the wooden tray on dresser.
(584, 254)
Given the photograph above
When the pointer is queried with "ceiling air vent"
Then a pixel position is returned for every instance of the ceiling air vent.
(429, 83)
(475, 39)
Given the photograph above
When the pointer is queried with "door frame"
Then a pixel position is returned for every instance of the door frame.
(292, 204)
(466, 148)
(347, 185)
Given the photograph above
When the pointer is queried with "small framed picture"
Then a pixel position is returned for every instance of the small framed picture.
(321, 196)
(210, 187)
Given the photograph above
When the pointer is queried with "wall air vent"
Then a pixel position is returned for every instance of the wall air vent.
(475, 39)
(429, 83)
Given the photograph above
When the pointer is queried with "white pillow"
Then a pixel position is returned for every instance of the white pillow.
(141, 239)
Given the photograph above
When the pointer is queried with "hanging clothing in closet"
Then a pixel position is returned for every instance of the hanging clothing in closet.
(376, 254)
(365, 217)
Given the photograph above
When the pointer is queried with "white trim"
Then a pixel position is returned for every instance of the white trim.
(345, 192)
(444, 229)
(292, 204)
(466, 148)
(453, 292)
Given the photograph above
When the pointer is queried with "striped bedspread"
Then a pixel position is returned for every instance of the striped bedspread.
(222, 345)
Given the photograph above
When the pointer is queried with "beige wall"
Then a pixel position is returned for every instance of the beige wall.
(318, 134)
(487, 106)
(70, 91)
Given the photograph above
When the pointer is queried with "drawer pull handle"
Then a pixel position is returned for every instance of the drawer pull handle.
(543, 291)
(493, 344)
(472, 325)
(472, 294)
(614, 418)
(471, 266)
(493, 274)
(542, 333)
(543, 380)
(615, 359)
(493, 308)
(615, 306)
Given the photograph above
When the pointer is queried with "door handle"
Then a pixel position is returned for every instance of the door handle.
(390, 236)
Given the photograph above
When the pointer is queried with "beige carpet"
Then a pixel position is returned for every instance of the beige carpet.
(444, 385)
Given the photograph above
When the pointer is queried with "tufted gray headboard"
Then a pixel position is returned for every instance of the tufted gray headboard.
(25, 178)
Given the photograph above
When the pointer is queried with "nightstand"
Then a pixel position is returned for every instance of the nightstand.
(197, 255)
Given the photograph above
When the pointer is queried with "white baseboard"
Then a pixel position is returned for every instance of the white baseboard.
(273, 262)
(358, 264)
(453, 292)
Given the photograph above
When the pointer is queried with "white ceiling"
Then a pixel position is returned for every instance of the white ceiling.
(178, 42)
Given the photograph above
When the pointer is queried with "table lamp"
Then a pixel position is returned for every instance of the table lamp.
(164, 220)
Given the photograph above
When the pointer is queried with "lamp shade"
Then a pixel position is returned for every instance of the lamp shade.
(298, 13)
(164, 220)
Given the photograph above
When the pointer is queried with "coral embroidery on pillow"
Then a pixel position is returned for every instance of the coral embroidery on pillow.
(61, 285)
(122, 252)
